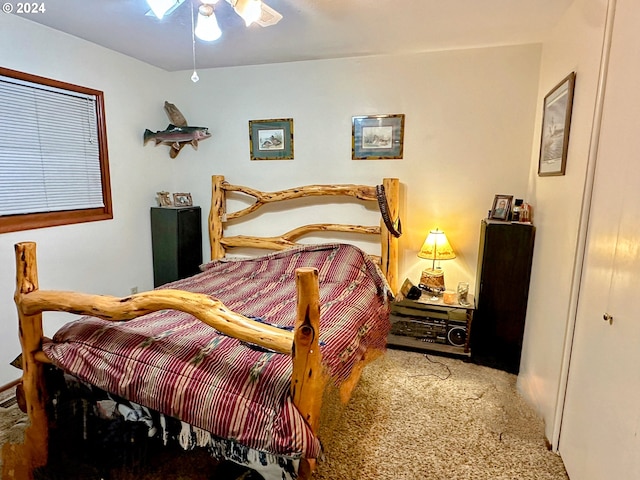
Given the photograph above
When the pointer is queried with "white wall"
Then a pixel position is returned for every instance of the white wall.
(469, 117)
(99, 257)
(575, 45)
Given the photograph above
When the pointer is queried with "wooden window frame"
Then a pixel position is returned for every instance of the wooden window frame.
(28, 221)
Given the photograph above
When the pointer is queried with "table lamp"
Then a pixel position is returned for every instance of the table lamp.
(435, 247)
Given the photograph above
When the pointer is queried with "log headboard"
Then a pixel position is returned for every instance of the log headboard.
(218, 216)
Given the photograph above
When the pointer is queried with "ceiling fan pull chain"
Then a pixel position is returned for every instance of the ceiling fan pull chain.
(194, 76)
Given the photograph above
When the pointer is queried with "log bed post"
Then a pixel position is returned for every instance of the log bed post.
(216, 217)
(31, 334)
(389, 247)
(308, 377)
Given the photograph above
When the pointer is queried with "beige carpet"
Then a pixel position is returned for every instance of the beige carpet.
(444, 419)
(417, 417)
(12, 420)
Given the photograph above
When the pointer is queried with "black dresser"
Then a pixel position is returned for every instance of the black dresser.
(176, 236)
(502, 291)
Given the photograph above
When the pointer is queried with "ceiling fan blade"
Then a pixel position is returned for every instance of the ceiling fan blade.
(177, 3)
(269, 16)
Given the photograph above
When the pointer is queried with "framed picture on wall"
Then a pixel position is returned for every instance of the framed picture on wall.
(377, 137)
(501, 207)
(271, 139)
(556, 123)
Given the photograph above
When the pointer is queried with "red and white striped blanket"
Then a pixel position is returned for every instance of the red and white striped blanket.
(173, 363)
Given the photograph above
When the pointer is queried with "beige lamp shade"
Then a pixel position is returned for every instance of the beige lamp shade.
(436, 247)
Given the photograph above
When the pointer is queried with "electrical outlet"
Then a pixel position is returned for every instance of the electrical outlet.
(134, 290)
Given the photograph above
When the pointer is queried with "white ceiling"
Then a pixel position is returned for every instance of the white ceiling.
(310, 29)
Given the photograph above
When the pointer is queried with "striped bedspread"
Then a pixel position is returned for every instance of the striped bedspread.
(173, 363)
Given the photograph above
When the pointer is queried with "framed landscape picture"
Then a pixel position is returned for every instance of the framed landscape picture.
(271, 139)
(377, 137)
(556, 123)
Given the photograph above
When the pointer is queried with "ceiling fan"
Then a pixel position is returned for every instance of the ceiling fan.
(207, 28)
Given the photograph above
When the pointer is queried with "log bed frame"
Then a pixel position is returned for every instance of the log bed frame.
(308, 377)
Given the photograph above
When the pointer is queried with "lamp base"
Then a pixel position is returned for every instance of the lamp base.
(432, 280)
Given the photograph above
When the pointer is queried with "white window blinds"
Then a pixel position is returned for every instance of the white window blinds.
(49, 149)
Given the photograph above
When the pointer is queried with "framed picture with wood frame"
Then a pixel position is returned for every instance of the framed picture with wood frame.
(164, 199)
(501, 207)
(556, 123)
(271, 139)
(182, 200)
(377, 137)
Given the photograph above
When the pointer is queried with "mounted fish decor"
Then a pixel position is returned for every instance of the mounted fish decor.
(178, 133)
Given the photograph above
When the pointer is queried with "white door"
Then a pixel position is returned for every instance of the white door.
(600, 432)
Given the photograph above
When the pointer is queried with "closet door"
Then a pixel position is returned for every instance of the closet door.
(600, 434)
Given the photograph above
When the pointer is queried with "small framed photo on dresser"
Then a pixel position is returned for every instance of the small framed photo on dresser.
(501, 207)
(182, 200)
(164, 199)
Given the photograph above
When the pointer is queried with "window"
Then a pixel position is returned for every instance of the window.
(54, 167)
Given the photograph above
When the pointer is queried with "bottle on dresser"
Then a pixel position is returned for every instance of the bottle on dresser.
(517, 208)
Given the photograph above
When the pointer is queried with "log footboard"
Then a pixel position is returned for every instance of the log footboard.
(308, 377)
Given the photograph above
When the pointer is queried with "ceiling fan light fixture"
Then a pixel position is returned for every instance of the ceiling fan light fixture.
(207, 28)
(161, 7)
(249, 10)
(268, 16)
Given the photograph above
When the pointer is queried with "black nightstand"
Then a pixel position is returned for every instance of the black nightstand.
(431, 325)
(176, 238)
